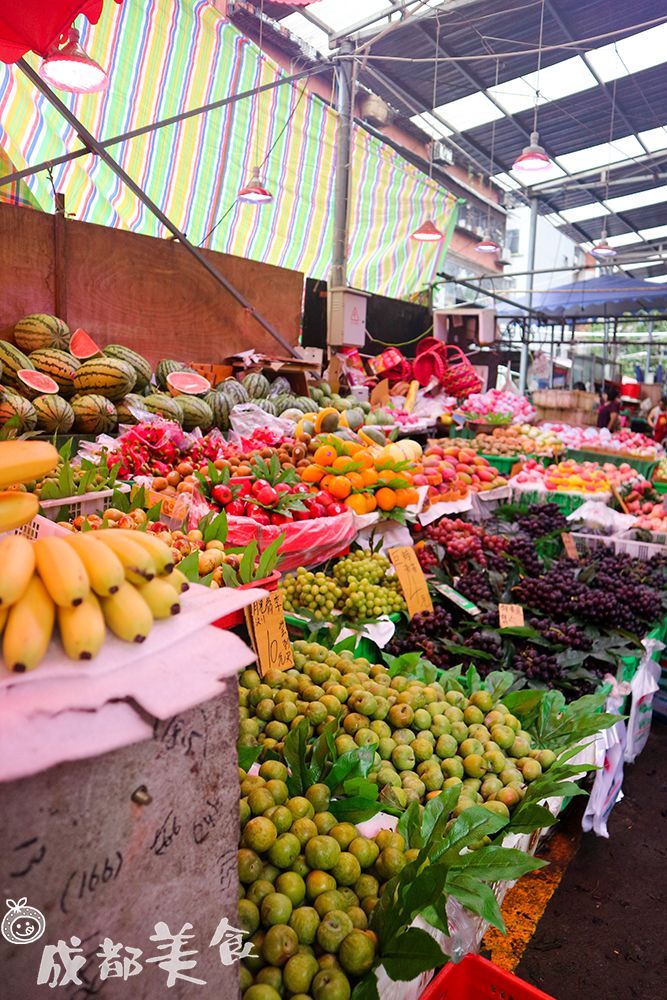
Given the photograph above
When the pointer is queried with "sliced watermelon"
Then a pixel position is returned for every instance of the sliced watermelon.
(187, 383)
(42, 384)
(82, 346)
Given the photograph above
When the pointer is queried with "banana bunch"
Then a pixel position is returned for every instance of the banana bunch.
(22, 462)
(84, 583)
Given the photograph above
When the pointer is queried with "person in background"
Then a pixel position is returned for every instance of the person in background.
(580, 386)
(639, 424)
(608, 414)
(658, 420)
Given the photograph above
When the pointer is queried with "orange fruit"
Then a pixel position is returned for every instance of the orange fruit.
(352, 447)
(369, 476)
(326, 482)
(356, 479)
(340, 488)
(343, 464)
(386, 498)
(371, 503)
(311, 474)
(402, 497)
(407, 476)
(387, 476)
(325, 455)
(364, 459)
(413, 495)
(357, 503)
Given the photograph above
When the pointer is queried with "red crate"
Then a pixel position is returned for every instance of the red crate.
(476, 979)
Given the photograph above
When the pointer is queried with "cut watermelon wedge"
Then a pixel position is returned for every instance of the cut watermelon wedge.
(39, 384)
(82, 346)
(187, 383)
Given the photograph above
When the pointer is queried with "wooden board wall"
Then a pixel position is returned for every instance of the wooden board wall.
(147, 293)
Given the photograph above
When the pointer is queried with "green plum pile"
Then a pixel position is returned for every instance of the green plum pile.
(362, 587)
(308, 887)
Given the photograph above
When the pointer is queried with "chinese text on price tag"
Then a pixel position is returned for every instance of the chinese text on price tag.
(569, 545)
(510, 616)
(411, 578)
(268, 632)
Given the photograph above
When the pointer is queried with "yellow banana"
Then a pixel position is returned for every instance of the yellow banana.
(29, 627)
(16, 509)
(82, 629)
(104, 568)
(127, 614)
(159, 550)
(138, 564)
(3, 616)
(23, 461)
(63, 573)
(17, 565)
(161, 598)
(178, 581)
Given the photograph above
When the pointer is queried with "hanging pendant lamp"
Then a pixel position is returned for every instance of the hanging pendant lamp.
(533, 158)
(255, 193)
(427, 233)
(487, 245)
(602, 248)
(70, 68)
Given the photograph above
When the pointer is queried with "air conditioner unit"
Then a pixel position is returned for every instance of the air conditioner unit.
(442, 153)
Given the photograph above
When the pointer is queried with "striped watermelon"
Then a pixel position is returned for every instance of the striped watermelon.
(83, 347)
(39, 330)
(31, 383)
(94, 414)
(233, 391)
(13, 405)
(107, 377)
(267, 405)
(54, 414)
(305, 404)
(60, 365)
(166, 367)
(283, 402)
(196, 413)
(279, 387)
(134, 400)
(220, 409)
(12, 361)
(164, 406)
(136, 361)
(256, 385)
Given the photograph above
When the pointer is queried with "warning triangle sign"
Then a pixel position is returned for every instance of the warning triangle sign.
(354, 317)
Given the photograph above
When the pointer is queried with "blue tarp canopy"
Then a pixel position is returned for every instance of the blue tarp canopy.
(608, 295)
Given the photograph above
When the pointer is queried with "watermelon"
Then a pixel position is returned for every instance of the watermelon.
(13, 405)
(12, 360)
(283, 402)
(256, 385)
(305, 404)
(54, 414)
(134, 400)
(130, 357)
(82, 346)
(187, 384)
(196, 413)
(164, 406)
(105, 377)
(166, 367)
(292, 414)
(233, 390)
(219, 408)
(60, 365)
(32, 383)
(279, 387)
(39, 330)
(267, 405)
(94, 414)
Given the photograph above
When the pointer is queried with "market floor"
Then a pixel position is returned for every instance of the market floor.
(601, 934)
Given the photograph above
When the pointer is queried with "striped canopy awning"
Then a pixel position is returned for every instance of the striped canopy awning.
(167, 56)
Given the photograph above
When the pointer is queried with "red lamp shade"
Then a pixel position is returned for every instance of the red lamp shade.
(533, 158)
(427, 234)
(602, 249)
(255, 193)
(37, 25)
(487, 245)
(70, 68)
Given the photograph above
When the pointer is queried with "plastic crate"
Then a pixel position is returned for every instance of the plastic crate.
(475, 978)
(627, 543)
(87, 503)
(586, 542)
(39, 527)
(505, 463)
(567, 503)
(659, 487)
(645, 466)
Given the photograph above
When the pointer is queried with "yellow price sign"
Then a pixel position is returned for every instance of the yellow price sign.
(411, 578)
(510, 616)
(268, 633)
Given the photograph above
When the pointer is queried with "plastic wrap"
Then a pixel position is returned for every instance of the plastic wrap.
(643, 687)
(609, 756)
(598, 516)
(246, 418)
(306, 543)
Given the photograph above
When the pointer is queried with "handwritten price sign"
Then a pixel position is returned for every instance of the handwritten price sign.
(510, 616)
(268, 633)
(411, 578)
(570, 546)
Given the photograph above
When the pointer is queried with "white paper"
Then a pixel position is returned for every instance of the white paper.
(438, 510)
(380, 632)
(389, 534)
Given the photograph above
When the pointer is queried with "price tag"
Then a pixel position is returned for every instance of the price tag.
(380, 394)
(570, 546)
(458, 599)
(510, 616)
(619, 500)
(268, 633)
(334, 372)
(411, 578)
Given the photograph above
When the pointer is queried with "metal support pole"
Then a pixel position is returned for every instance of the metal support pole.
(532, 239)
(342, 181)
(89, 140)
(648, 349)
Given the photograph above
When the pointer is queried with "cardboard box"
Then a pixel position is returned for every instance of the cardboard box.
(296, 371)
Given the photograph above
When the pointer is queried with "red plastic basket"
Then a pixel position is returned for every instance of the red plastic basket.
(474, 978)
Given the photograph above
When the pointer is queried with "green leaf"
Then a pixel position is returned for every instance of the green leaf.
(413, 953)
(499, 682)
(437, 807)
(409, 825)
(154, 513)
(528, 816)
(247, 564)
(436, 915)
(189, 567)
(356, 809)
(247, 756)
(471, 826)
(366, 988)
(269, 559)
(498, 864)
(229, 575)
(477, 897)
(323, 751)
(294, 752)
(353, 763)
